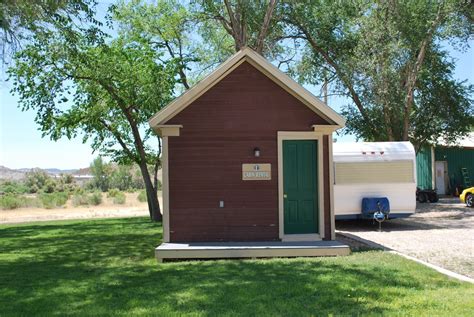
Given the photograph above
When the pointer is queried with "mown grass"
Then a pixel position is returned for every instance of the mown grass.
(107, 267)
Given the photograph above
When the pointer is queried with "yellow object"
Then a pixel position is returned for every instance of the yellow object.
(465, 193)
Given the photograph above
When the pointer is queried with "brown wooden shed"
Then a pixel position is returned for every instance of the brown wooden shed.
(247, 156)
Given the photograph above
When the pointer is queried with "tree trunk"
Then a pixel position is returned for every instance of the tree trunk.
(265, 25)
(151, 191)
(385, 81)
(413, 75)
(151, 194)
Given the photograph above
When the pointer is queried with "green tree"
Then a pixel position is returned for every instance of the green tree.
(36, 180)
(66, 183)
(386, 56)
(50, 186)
(19, 18)
(80, 81)
(137, 180)
(101, 173)
(121, 178)
(228, 26)
(165, 24)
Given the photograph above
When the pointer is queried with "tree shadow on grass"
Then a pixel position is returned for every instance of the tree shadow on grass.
(107, 268)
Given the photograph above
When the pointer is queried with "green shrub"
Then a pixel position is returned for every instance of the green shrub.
(119, 198)
(10, 201)
(46, 201)
(33, 189)
(100, 171)
(13, 187)
(61, 198)
(95, 198)
(142, 196)
(50, 186)
(53, 200)
(36, 180)
(66, 183)
(69, 188)
(80, 198)
(121, 177)
(88, 185)
(30, 201)
(113, 192)
(79, 190)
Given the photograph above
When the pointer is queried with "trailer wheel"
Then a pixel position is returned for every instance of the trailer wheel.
(422, 198)
(433, 198)
(470, 200)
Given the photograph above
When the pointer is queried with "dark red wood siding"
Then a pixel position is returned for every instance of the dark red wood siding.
(220, 130)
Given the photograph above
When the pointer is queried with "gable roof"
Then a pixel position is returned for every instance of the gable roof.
(264, 66)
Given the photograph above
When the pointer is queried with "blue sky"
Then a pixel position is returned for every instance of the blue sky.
(21, 144)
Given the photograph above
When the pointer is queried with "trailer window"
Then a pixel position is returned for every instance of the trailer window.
(374, 172)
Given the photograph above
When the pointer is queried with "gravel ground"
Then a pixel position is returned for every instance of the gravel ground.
(440, 233)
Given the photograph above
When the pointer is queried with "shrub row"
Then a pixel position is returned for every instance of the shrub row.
(59, 199)
(10, 201)
(53, 200)
(142, 196)
(119, 198)
(48, 201)
(85, 199)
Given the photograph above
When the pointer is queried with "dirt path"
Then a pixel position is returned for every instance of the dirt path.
(441, 234)
(131, 208)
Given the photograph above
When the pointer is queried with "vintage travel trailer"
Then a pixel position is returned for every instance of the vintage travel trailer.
(374, 169)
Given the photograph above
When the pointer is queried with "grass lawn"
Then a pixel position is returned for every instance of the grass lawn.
(106, 267)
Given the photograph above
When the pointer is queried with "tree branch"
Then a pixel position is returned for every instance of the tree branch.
(305, 34)
(182, 74)
(235, 26)
(266, 23)
(117, 136)
(414, 71)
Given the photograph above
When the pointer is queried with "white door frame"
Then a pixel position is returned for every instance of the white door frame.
(293, 135)
(445, 171)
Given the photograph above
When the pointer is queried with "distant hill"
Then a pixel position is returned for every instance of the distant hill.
(11, 174)
(57, 171)
(83, 171)
(20, 173)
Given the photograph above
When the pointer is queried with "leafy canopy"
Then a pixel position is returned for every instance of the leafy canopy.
(387, 58)
(82, 82)
(21, 19)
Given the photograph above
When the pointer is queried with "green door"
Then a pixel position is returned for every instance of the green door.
(300, 186)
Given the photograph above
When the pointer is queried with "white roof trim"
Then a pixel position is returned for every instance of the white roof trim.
(467, 141)
(373, 152)
(269, 70)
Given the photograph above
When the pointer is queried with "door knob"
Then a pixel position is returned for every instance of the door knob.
(285, 196)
